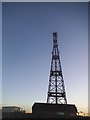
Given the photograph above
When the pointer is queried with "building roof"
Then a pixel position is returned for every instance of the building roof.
(10, 107)
(54, 107)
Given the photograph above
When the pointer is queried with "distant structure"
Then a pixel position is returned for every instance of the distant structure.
(13, 112)
(56, 89)
(12, 109)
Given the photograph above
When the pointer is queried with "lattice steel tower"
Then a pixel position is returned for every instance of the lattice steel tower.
(56, 89)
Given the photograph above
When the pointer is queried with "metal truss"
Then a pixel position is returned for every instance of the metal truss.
(56, 89)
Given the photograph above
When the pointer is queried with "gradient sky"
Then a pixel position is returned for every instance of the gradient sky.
(27, 44)
(89, 59)
(0, 55)
(45, 0)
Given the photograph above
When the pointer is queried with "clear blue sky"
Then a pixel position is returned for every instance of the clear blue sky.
(27, 44)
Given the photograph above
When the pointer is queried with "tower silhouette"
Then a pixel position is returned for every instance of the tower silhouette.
(56, 89)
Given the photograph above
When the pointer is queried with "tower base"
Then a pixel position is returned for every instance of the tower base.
(47, 110)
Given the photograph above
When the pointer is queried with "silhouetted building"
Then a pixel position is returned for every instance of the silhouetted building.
(47, 110)
(14, 112)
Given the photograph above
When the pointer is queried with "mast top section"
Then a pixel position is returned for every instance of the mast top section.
(55, 34)
(55, 39)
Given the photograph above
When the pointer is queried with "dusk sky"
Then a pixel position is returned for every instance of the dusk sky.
(27, 43)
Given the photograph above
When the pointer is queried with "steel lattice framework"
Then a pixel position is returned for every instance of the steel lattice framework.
(56, 89)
